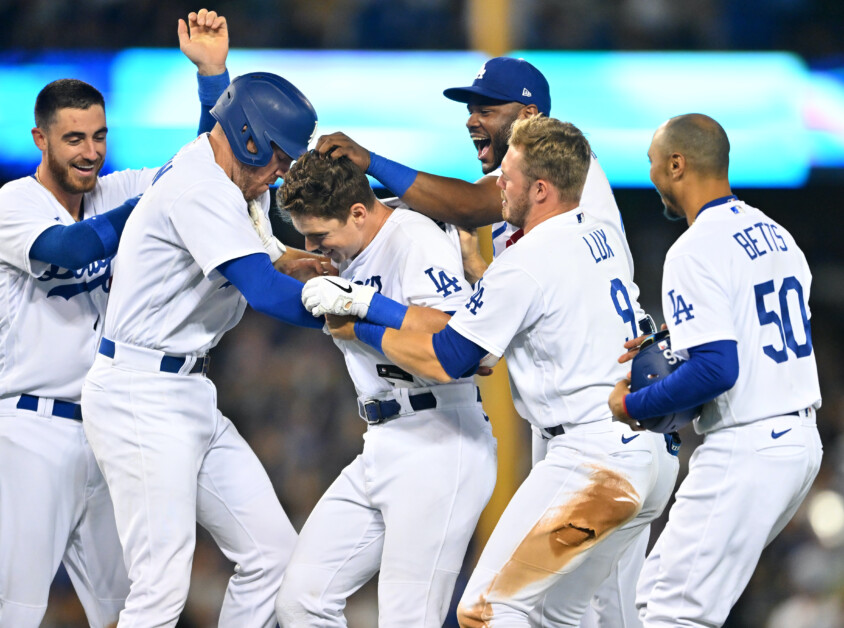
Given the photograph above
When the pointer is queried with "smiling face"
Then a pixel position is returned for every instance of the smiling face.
(489, 127)
(73, 148)
(255, 180)
(337, 240)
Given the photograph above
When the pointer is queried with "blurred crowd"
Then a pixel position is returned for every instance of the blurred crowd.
(811, 28)
(287, 390)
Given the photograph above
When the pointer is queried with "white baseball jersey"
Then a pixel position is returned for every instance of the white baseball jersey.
(51, 317)
(532, 313)
(167, 294)
(735, 274)
(397, 262)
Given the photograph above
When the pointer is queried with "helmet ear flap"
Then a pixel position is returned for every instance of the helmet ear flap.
(260, 109)
(654, 362)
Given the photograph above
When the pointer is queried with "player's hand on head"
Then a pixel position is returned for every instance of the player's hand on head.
(335, 295)
(341, 327)
(341, 145)
(205, 40)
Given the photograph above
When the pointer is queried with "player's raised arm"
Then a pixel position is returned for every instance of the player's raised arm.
(446, 199)
(204, 39)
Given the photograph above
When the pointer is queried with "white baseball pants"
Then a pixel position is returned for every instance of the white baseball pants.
(171, 460)
(54, 506)
(407, 505)
(567, 525)
(743, 487)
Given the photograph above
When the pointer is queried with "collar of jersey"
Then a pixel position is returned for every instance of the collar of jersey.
(716, 202)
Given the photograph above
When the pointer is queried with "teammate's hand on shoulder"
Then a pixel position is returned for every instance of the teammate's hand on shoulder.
(335, 295)
(341, 145)
(341, 327)
(205, 41)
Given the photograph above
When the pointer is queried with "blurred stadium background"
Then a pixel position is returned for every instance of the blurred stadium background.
(617, 69)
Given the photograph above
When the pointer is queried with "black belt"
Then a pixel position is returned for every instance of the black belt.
(553, 431)
(802, 412)
(62, 409)
(169, 363)
(374, 411)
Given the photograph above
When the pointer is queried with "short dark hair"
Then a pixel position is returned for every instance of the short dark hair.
(701, 140)
(323, 187)
(64, 94)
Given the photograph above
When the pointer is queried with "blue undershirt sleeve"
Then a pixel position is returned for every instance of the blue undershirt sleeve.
(268, 291)
(459, 356)
(77, 245)
(210, 89)
(712, 369)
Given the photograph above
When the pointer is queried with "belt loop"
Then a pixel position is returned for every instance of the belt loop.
(402, 395)
(190, 360)
(45, 407)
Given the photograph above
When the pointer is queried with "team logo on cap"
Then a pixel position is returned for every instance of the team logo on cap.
(481, 72)
(526, 92)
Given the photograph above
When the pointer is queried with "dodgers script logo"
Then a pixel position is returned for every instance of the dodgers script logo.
(94, 275)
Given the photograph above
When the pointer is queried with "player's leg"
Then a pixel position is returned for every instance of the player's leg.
(94, 558)
(711, 544)
(569, 508)
(339, 549)
(431, 495)
(149, 433)
(42, 473)
(237, 504)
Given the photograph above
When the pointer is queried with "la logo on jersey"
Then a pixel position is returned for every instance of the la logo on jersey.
(94, 275)
(680, 308)
(476, 300)
(446, 285)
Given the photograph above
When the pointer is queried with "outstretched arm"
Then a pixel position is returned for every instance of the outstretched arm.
(465, 204)
(205, 41)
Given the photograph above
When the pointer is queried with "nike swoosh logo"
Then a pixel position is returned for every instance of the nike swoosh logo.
(627, 440)
(778, 434)
(343, 288)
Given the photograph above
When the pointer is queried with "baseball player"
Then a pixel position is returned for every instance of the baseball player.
(735, 294)
(57, 238)
(188, 263)
(409, 503)
(504, 90)
(600, 484)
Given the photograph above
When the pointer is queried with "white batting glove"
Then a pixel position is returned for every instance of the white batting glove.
(335, 295)
(261, 225)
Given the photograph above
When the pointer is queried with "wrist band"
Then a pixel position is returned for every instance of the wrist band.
(370, 334)
(384, 311)
(393, 175)
(210, 87)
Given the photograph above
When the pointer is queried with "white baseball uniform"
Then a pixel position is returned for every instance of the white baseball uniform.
(54, 504)
(736, 275)
(600, 484)
(409, 503)
(613, 605)
(170, 458)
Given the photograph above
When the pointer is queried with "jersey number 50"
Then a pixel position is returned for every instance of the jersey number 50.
(782, 320)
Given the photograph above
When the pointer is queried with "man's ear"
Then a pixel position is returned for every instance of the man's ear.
(39, 138)
(676, 165)
(528, 111)
(358, 213)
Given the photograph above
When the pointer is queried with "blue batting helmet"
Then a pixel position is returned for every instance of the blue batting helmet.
(265, 108)
(656, 361)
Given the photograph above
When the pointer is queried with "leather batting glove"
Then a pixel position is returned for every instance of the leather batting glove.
(335, 295)
(261, 225)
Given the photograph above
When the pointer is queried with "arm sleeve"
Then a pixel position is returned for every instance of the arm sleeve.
(77, 245)
(268, 291)
(459, 356)
(711, 370)
(210, 89)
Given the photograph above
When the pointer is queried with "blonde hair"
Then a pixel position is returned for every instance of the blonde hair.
(554, 151)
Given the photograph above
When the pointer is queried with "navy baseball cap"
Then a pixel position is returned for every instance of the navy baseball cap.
(507, 79)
